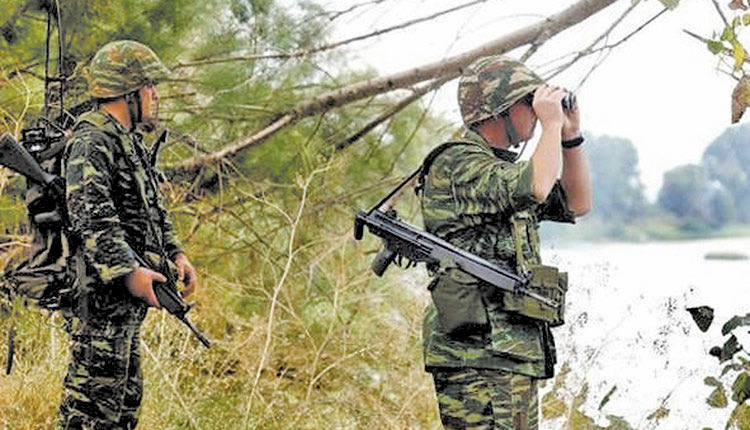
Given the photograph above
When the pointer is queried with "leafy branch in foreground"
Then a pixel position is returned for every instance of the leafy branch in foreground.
(731, 51)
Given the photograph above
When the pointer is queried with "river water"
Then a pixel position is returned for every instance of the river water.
(627, 327)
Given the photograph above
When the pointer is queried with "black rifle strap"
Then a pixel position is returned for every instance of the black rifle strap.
(427, 163)
(395, 190)
(421, 171)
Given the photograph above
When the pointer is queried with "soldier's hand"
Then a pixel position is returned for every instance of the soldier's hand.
(187, 274)
(548, 105)
(140, 284)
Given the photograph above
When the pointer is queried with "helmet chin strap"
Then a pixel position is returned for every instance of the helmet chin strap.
(133, 100)
(510, 130)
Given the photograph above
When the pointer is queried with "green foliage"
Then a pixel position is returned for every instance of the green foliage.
(728, 43)
(734, 322)
(739, 368)
(606, 398)
(718, 398)
(560, 402)
(715, 46)
(740, 417)
(305, 335)
(741, 387)
(660, 413)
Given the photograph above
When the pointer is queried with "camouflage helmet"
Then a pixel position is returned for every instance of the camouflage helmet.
(122, 67)
(493, 84)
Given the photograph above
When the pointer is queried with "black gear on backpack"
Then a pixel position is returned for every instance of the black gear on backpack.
(43, 277)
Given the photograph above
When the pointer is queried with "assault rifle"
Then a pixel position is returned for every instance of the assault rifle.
(405, 241)
(16, 157)
(168, 297)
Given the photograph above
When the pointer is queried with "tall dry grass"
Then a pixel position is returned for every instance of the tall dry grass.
(304, 335)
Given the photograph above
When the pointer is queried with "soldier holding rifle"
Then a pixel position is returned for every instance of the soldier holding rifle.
(125, 237)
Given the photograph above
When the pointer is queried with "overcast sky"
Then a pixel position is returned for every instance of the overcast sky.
(660, 89)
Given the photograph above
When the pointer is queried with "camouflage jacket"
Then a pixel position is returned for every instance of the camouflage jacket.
(468, 198)
(114, 203)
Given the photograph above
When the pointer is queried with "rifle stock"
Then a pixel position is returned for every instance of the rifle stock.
(406, 241)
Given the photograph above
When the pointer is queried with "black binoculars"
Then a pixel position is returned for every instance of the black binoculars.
(568, 102)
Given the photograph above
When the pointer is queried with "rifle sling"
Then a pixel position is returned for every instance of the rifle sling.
(422, 171)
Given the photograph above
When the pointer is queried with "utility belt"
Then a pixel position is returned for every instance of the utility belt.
(462, 300)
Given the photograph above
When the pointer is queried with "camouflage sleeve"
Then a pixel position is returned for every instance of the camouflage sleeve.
(93, 214)
(555, 208)
(482, 183)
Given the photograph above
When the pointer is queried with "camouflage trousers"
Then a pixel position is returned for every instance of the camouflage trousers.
(479, 399)
(104, 383)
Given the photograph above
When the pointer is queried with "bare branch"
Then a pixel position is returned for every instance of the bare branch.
(329, 46)
(607, 49)
(721, 13)
(448, 68)
(396, 27)
(338, 14)
(701, 38)
(591, 46)
(390, 112)
(637, 30)
(603, 51)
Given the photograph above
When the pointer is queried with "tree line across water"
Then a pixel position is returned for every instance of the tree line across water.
(694, 199)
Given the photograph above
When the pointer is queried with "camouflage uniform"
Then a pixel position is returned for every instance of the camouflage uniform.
(474, 196)
(116, 211)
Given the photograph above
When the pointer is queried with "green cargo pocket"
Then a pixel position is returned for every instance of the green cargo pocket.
(547, 282)
(458, 299)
